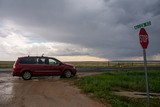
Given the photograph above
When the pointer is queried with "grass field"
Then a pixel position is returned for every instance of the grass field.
(94, 64)
(122, 64)
(6, 64)
(102, 86)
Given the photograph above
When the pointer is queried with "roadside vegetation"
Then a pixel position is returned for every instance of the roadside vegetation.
(104, 85)
(6, 64)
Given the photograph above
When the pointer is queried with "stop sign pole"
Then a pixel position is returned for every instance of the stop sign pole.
(144, 41)
(146, 75)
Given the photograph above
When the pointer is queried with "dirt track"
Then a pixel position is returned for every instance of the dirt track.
(42, 92)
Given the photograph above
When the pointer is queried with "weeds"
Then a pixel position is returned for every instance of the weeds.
(103, 85)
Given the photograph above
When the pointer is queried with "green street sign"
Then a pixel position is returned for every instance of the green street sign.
(142, 25)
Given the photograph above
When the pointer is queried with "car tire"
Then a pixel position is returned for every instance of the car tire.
(26, 75)
(62, 76)
(67, 74)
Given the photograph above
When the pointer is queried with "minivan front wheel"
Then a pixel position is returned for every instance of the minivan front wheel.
(26, 75)
(67, 74)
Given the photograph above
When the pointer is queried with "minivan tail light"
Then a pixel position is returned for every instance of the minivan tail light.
(14, 66)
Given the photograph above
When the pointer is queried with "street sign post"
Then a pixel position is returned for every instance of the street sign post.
(142, 25)
(144, 41)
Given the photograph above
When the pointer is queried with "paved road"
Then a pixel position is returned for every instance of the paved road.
(42, 92)
(101, 69)
(5, 69)
(115, 69)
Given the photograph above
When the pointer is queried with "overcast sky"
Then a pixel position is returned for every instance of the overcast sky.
(99, 28)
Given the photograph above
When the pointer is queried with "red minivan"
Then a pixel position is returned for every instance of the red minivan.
(29, 66)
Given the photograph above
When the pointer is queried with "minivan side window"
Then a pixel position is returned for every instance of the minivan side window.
(41, 60)
(28, 60)
(53, 62)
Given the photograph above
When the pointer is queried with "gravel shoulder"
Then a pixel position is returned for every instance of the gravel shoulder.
(42, 92)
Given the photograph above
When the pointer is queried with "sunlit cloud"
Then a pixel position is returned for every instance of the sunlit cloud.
(140, 58)
(15, 42)
(155, 57)
(81, 58)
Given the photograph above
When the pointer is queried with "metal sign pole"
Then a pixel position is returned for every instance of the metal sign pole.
(144, 41)
(146, 75)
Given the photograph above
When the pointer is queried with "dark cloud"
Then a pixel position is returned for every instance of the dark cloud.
(106, 26)
(153, 8)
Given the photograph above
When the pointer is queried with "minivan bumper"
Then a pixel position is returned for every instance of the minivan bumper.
(15, 73)
(74, 71)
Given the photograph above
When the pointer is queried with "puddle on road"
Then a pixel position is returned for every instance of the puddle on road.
(6, 92)
(7, 83)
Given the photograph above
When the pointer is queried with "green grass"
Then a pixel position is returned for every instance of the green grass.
(103, 86)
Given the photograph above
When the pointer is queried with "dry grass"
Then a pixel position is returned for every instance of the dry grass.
(111, 64)
(6, 64)
(96, 64)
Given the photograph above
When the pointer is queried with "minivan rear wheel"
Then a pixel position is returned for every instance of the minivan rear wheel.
(67, 74)
(26, 75)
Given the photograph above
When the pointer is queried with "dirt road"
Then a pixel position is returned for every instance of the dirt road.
(41, 92)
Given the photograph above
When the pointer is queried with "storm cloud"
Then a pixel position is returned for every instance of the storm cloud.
(104, 28)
